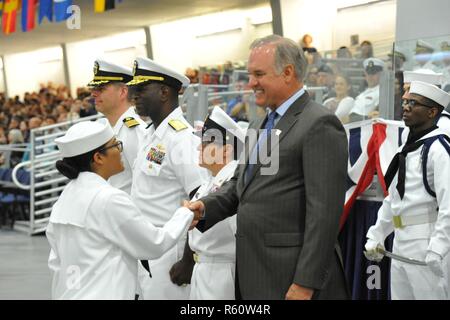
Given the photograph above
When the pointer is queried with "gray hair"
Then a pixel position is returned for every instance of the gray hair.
(287, 52)
(16, 136)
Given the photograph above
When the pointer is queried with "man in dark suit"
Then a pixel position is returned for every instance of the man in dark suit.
(288, 209)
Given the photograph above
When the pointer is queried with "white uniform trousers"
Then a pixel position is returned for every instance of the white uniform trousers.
(160, 286)
(213, 279)
(414, 282)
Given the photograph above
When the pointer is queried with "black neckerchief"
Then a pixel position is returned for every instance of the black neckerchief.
(398, 163)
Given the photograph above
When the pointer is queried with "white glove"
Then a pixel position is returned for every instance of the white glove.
(371, 252)
(434, 261)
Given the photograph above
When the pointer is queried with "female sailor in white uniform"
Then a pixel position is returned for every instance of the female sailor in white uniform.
(96, 233)
(214, 251)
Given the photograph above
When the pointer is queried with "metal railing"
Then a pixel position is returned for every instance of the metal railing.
(46, 183)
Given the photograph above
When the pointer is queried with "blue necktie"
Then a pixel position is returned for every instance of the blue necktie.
(262, 138)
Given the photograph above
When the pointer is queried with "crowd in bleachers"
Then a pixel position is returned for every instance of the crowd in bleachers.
(52, 104)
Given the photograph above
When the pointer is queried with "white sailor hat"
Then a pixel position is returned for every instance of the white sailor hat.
(424, 75)
(423, 47)
(431, 92)
(146, 70)
(83, 137)
(373, 65)
(106, 72)
(220, 121)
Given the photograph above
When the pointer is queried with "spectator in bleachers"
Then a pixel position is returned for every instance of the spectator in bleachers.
(311, 53)
(366, 103)
(325, 78)
(366, 50)
(75, 109)
(343, 102)
(3, 138)
(306, 44)
(15, 137)
(311, 76)
(24, 129)
(14, 123)
(344, 53)
(87, 107)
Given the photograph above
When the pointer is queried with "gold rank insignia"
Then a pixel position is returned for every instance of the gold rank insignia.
(130, 122)
(177, 125)
(156, 154)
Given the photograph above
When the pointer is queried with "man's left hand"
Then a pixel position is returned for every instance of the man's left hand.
(297, 292)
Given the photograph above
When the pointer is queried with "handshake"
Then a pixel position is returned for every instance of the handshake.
(198, 208)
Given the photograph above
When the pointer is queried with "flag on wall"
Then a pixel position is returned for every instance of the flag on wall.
(1, 8)
(61, 9)
(103, 5)
(9, 15)
(28, 14)
(45, 10)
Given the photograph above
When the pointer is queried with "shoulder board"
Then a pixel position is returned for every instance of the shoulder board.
(130, 122)
(177, 125)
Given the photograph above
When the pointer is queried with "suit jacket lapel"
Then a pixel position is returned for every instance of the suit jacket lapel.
(251, 144)
(284, 125)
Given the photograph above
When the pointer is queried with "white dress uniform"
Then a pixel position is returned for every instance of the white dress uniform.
(215, 249)
(96, 235)
(425, 220)
(129, 129)
(367, 101)
(165, 172)
(95, 231)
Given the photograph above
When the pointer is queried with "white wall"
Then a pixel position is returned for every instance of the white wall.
(373, 22)
(209, 39)
(331, 23)
(121, 49)
(422, 19)
(25, 71)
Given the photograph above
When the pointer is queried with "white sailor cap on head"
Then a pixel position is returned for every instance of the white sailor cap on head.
(220, 121)
(146, 70)
(423, 46)
(424, 75)
(83, 137)
(373, 65)
(431, 92)
(106, 72)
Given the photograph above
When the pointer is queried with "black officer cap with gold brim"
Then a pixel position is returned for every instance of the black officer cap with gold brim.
(146, 70)
(106, 72)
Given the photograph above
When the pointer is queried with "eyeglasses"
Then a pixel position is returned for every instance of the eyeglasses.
(413, 103)
(118, 145)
